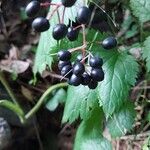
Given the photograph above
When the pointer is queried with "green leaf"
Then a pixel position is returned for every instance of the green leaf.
(59, 97)
(89, 134)
(80, 101)
(122, 121)
(146, 52)
(120, 74)
(141, 9)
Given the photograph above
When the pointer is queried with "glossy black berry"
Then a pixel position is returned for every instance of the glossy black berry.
(66, 71)
(61, 64)
(68, 3)
(109, 43)
(96, 62)
(75, 80)
(86, 78)
(64, 55)
(78, 69)
(97, 74)
(72, 34)
(83, 15)
(93, 84)
(59, 31)
(40, 24)
(32, 8)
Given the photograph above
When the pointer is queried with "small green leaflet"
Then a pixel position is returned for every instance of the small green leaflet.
(120, 74)
(141, 9)
(146, 52)
(59, 97)
(89, 134)
(80, 101)
(122, 121)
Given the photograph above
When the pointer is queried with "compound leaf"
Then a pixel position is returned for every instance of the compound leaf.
(80, 101)
(141, 9)
(146, 52)
(120, 74)
(122, 121)
(89, 134)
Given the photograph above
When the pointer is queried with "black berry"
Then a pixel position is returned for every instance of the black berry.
(96, 62)
(109, 43)
(68, 3)
(40, 24)
(72, 34)
(59, 31)
(86, 79)
(78, 68)
(61, 64)
(75, 80)
(93, 84)
(66, 71)
(32, 8)
(64, 55)
(97, 74)
(83, 15)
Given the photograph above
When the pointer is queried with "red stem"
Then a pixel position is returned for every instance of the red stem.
(84, 42)
(47, 4)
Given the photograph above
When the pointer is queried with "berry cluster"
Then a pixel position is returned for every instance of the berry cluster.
(79, 73)
(84, 72)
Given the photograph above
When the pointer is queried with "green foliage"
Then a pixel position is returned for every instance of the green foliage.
(89, 135)
(146, 52)
(58, 97)
(120, 74)
(122, 121)
(80, 102)
(141, 9)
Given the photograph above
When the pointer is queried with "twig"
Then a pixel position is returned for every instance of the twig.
(42, 99)
(135, 137)
(8, 88)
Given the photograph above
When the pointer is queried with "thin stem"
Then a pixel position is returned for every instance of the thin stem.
(63, 15)
(84, 42)
(77, 48)
(50, 15)
(8, 88)
(47, 4)
(58, 16)
(42, 99)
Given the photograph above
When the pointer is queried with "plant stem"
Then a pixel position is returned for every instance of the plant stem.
(41, 100)
(8, 88)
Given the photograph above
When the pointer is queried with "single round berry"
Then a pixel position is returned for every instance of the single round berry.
(59, 31)
(68, 3)
(32, 8)
(93, 84)
(61, 64)
(86, 79)
(78, 69)
(109, 43)
(64, 55)
(66, 71)
(72, 34)
(84, 15)
(75, 80)
(96, 62)
(97, 74)
(40, 24)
